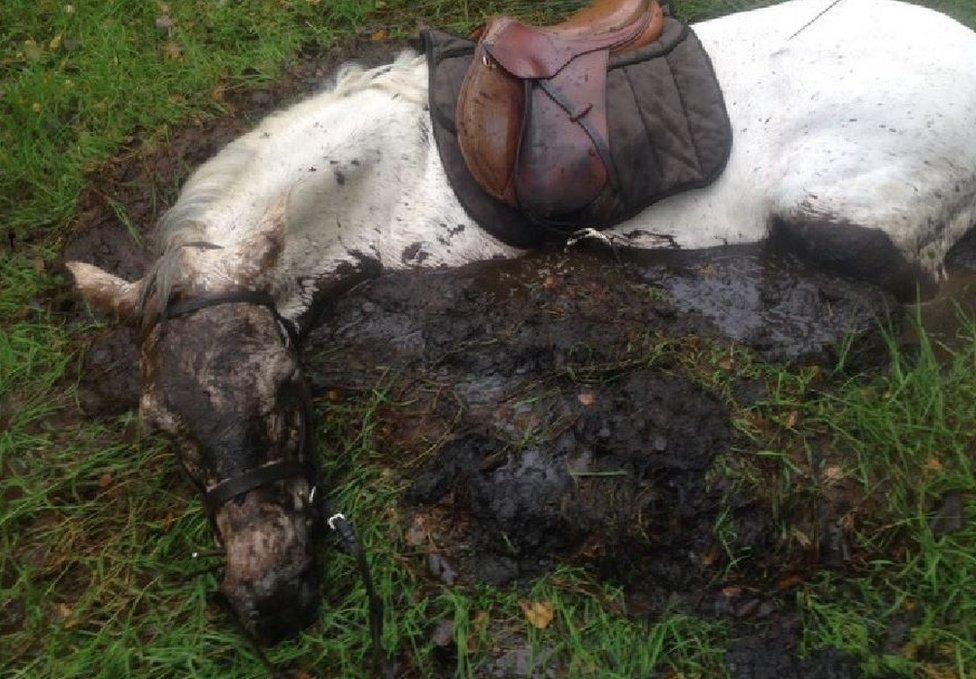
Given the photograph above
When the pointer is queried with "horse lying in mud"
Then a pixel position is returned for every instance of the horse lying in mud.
(855, 145)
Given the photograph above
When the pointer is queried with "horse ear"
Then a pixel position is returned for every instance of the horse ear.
(261, 250)
(104, 292)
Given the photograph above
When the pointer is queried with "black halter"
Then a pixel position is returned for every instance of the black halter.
(228, 489)
(321, 509)
(184, 307)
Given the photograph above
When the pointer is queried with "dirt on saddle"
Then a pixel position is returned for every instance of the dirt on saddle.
(538, 410)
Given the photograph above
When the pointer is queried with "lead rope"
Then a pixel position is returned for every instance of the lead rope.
(338, 523)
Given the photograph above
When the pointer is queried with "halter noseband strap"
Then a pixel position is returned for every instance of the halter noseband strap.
(227, 490)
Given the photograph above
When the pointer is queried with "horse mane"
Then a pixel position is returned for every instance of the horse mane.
(184, 223)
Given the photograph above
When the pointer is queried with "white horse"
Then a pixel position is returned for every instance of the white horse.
(855, 141)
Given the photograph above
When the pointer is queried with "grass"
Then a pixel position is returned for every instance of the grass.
(96, 526)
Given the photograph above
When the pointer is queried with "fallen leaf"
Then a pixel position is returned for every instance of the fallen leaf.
(481, 619)
(586, 398)
(731, 591)
(417, 532)
(478, 627)
(792, 419)
(104, 481)
(172, 51)
(833, 474)
(168, 522)
(934, 465)
(726, 363)
(801, 537)
(711, 557)
(789, 582)
(33, 51)
(381, 35)
(538, 613)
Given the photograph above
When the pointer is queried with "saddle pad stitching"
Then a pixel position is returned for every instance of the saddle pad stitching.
(640, 112)
(647, 53)
(684, 109)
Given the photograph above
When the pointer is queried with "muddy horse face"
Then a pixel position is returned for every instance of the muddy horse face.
(220, 375)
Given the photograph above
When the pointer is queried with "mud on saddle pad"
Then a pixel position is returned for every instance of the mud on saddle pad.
(545, 130)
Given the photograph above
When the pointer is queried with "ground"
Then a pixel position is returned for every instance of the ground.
(574, 464)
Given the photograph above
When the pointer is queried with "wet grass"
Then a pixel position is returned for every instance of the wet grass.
(97, 527)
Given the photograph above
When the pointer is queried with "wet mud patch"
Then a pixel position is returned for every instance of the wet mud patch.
(551, 417)
(617, 486)
(545, 411)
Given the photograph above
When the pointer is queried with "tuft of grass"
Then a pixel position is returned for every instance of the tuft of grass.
(909, 442)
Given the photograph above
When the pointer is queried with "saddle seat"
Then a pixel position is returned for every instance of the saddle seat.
(540, 52)
(531, 113)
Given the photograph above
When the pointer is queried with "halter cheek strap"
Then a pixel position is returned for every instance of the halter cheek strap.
(185, 307)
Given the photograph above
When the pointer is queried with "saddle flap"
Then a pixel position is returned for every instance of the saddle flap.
(523, 51)
(564, 161)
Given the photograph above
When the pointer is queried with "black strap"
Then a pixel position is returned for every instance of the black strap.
(382, 665)
(184, 307)
(227, 490)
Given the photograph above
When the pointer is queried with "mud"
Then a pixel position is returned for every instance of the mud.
(559, 436)
(539, 420)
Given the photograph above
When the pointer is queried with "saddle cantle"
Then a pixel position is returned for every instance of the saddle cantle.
(532, 111)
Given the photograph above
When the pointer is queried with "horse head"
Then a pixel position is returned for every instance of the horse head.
(220, 375)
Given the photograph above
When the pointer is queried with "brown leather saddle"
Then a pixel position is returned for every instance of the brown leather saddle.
(532, 110)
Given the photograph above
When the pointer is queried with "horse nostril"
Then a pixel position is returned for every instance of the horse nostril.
(287, 610)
